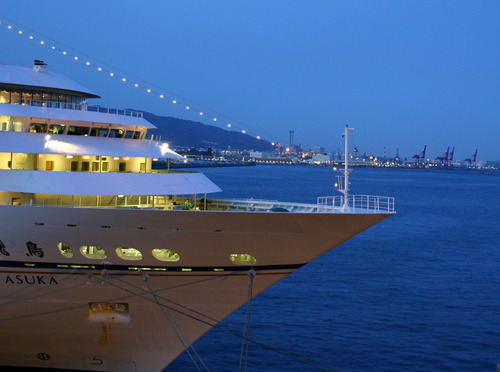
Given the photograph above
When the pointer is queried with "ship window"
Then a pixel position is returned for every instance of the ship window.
(38, 128)
(129, 134)
(166, 255)
(123, 167)
(137, 135)
(14, 97)
(242, 259)
(65, 250)
(49, 165)
(105, 166)
(4, 96)
(56, 128)
(74, 166)
(99, 132)
(85, 166)
(116, 133)
(78, 131)
(95, 166)
(129, 254)
(92, 251)
(27, 97)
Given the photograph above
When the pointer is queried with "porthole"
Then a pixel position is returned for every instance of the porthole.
(242, 259)
(93, 252)
(131, 254)
(65, 250)
(166, 255)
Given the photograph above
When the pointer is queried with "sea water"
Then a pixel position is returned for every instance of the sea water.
(418, 292)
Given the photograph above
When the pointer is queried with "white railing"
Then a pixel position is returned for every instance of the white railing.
(74, 106)
(326, 204)
(363, 202)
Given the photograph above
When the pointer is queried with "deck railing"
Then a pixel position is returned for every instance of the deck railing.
(363, 202)
(328, 204)
(74, 106)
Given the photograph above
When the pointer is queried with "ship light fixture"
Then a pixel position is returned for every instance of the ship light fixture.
(164, 148)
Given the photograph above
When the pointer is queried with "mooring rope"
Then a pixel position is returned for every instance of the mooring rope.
(246, 326)
(227, 328)
(184, 340)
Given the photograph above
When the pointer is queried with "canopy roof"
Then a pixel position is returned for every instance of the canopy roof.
(41, 143)
(86, 183)
(59, 115)
(27, 77)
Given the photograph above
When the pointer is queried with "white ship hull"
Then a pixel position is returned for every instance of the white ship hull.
(45, 320)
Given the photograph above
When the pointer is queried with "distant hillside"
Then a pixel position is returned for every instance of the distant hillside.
(186, 133)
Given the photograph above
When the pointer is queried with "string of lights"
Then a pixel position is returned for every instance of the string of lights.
(201, 112)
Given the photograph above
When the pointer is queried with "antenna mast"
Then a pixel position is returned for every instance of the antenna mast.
(346, 171)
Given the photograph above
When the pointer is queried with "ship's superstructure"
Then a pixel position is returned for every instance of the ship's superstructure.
(108, 265)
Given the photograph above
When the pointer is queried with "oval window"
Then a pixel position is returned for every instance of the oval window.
(93, 252)
(65, 250)
(166, 255)
(131, 254)
(242, 259)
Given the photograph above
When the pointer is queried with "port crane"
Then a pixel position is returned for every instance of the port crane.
(447, 159)
(472, 159)
(420, 158)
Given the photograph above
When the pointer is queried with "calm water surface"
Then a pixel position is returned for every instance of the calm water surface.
(418, 292)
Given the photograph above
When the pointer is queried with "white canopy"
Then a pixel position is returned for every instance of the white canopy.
(27, 76)
(41, 143)
(86, 183)
(62, 116)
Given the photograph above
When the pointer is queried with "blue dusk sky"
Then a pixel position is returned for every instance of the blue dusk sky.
(402, 73)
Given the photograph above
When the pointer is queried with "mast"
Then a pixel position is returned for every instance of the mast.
(346, 169)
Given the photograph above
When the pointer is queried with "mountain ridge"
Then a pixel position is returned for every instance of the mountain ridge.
(187, 133)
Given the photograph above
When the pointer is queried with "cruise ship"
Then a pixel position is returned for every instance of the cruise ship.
(109, 265)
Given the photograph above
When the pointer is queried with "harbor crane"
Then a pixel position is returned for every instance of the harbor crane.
(472, 160)
(446, 159)
(420, 158)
